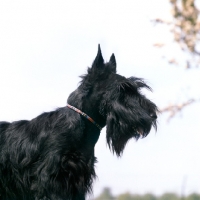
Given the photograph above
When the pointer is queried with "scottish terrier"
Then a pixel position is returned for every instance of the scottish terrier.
(51, 157)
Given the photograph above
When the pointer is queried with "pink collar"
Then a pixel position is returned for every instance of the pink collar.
(84, 115)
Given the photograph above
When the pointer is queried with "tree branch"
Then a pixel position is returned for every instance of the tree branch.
(176, 108)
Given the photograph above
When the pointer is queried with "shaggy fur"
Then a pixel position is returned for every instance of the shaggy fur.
(51, 157)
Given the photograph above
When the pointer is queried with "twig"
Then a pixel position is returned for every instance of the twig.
(174, 109)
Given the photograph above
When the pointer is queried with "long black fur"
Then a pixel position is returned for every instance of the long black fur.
(51, 157)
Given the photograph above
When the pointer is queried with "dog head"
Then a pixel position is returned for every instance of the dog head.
(126, 112)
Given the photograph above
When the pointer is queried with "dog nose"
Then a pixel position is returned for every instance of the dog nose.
(153, 115)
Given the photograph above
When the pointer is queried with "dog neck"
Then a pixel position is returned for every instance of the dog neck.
(85, 115)
(90, 106)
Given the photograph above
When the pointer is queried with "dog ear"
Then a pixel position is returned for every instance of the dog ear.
(112, 63)
(98, 61)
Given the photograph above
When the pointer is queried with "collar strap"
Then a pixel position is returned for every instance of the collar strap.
(84, 115)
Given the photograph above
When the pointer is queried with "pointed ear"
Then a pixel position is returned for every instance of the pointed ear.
(112, 63)
(98, 61)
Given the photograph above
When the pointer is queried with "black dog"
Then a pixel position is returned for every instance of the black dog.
(52, 157)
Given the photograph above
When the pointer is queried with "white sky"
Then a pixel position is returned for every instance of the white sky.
(46, 45)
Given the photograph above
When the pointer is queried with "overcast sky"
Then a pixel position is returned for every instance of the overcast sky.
(46, 45)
